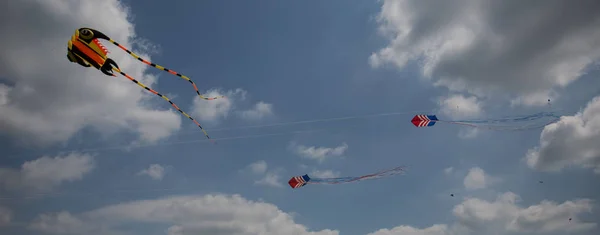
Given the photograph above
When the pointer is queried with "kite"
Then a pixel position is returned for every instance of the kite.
(300, 181)
(527, 122)
(85, 49)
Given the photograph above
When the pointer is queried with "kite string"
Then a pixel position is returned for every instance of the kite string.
(161, 96)
(133, 146)
(316, 120)
(334, 119)
(163, 69)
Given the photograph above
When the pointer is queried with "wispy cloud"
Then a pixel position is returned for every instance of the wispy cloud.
(259, 167)
(449, 170)
(219, 108)
(325, 174)
(319, 154)
(215, 110)
(268, 177)
(155, 171)
(272, 178)
(259, 111)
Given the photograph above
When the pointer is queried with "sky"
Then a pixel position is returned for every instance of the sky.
(325, 88)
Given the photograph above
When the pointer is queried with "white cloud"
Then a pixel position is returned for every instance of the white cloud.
(572, 141)
(459, 106)
(45, 173)
(272, 179)
(449, 170)
(259, 167)
(60, 223)
(5, 216)
(318, 153)
(175, 230)
(259, 111)
(155, 171)
(504, 214)
(45, 99)
(437, 229)
(209, 214)
(489, 47)
(214, 110)
(325, 174)
(475, 179)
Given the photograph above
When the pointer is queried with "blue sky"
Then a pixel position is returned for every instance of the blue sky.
(295, 61)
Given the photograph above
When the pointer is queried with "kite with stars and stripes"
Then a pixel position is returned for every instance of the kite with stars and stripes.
(527, 122)
(85, 49)
(301, 181)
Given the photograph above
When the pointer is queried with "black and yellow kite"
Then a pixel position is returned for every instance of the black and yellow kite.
(85, 49)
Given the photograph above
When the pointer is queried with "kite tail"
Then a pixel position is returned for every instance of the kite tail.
(490, 124)
(164, 69)
(531, 117)
(509, 128)
(341, 180)
(161, 96)
(501, 124)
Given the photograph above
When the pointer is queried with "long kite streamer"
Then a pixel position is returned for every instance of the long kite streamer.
(163, 69)
(161, 96)
(85, 49)
(527, 122)
(300, 181)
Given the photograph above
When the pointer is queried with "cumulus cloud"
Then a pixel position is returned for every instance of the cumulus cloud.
(449, 170)
(46, 173)
(504, 214)
(318, 153)
(155, 171)
(492, 47)
(572, 141)
(45, 99)
(475, 179)
(209, 214)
